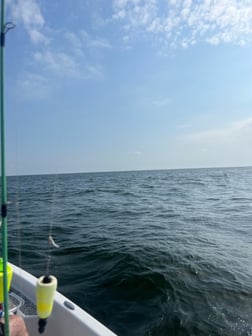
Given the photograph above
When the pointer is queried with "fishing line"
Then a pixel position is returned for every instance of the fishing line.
(16, 172)
(51, 242)
(18, 222)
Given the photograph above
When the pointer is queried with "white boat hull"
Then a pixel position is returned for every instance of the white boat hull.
(67, 318)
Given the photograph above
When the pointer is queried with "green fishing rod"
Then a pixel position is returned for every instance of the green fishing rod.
(5, 269)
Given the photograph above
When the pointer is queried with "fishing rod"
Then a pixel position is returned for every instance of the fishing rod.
(46, 285)
(6, 271)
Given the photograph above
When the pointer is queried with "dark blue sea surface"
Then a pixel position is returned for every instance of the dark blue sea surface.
(147, 253)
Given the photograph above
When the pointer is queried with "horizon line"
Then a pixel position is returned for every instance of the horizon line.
(130, 170)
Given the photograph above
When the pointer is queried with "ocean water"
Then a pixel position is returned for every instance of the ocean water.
(147, 253)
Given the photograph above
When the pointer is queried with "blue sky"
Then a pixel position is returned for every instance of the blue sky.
(128, 84)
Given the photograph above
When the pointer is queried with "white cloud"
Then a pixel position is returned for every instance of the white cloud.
(230, 145)
(37, 37)
(63, 58)
(33, 86)
(28, 12)
(76, 43)
(100, 43)
(135, 13)
(69, 60)
(60, 63)
(237, 131)
(186, 22)
(120, 14)
(91, 42)
(94, 71)
(40, 85)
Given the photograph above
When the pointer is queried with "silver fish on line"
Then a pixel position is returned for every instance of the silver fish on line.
(52, 242)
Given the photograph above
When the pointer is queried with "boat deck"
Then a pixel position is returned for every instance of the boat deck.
(18, 302)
